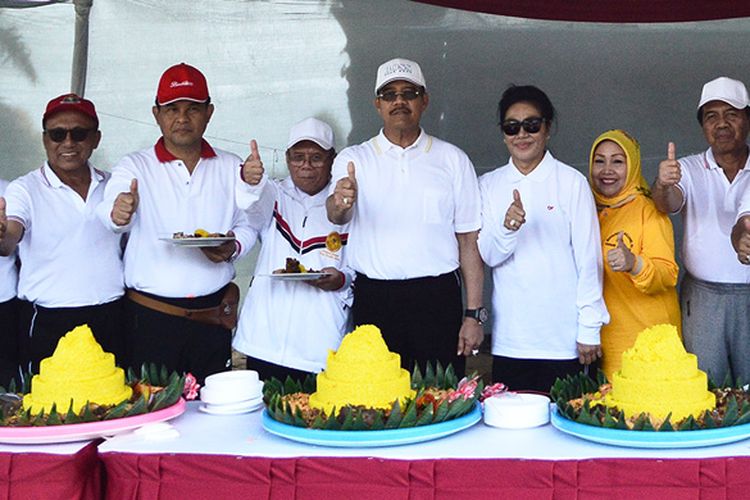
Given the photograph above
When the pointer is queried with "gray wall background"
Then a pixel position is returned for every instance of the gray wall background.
(272, 63)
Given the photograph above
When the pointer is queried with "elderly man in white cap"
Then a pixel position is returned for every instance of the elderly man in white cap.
(706, 188)
(289, 321)
(413, 203)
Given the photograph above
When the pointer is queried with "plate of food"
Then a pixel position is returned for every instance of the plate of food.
(364, 398)
(80, 394)
(658, 399)
(295, 276)
(294, 270)
(198, 238)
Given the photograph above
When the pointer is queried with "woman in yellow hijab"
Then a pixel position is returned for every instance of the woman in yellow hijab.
(640, 272)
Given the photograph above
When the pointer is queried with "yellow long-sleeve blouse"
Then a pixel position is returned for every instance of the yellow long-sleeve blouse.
(636, 302)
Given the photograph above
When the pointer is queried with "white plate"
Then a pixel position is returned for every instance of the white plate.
(234, 405)
(295, 276)
(218, 410)
(213, 241)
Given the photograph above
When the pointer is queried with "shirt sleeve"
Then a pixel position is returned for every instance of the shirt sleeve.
(18, 204)
(659, 271)
(257, 201)
(496, 243)
(587, 253)
(743, 206)
(466, 197)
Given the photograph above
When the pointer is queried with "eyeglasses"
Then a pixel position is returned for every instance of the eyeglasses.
(530, 125)
(78, 134)
(315, 160)
(392, 95)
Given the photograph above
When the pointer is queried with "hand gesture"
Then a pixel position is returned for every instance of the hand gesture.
(332, 281)
(669, 169)
(3, 218)
(345, 192)
(125, 205)
(515, 216)
(222, 253)
(588, 353)
(252, 169)
(743, 244)
(620, 258)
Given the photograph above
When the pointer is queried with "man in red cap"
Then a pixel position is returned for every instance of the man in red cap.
(72, 271)
(181, 302)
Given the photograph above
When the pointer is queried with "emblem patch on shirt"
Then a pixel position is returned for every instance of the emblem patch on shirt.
(333, 241)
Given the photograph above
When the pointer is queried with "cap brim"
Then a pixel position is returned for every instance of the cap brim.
(731, 102)
(396, 79)
(317, 141)
(191, 99)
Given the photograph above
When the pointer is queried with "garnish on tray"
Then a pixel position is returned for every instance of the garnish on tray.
(198, 233)
(293, 266)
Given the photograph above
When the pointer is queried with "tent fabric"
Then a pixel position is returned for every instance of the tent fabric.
(606, 11)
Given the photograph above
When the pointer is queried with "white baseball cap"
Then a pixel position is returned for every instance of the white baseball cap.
(399, 69)
(728, 90)
(312, 129)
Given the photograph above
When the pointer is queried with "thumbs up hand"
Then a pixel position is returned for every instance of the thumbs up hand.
(345, 192)
(252, 169)
(125, 205)
(743, 239)
(669, 169)
(620, 258)
(516, 215)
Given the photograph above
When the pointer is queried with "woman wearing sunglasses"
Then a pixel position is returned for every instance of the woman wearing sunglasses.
(640, 272)
(541, 238)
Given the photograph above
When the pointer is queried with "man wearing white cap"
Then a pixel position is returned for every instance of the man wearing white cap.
(413, 203)
(706, 188)
(181, 301)
(287, 326)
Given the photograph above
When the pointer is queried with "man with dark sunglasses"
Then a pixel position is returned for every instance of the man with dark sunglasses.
(181, 302)
(413, 203)
(72, 270)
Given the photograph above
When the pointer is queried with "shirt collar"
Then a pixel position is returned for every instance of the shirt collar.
(382, 143)
(539, 174)
(709, 161)
(52, 180)
(164, 156)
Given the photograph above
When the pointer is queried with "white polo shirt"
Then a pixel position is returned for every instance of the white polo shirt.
(69, 259)
(709, 213)
(411, 202)
(547, 275)
(8, 271)
(172, 200)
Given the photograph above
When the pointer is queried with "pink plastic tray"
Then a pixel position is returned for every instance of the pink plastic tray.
(86, 431)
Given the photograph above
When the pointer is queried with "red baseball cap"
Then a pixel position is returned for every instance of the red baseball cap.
(70, 102)
(182, 82)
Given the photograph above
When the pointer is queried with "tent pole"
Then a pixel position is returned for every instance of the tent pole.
(80, 46)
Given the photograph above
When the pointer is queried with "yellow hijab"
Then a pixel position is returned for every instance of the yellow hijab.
(635, 184)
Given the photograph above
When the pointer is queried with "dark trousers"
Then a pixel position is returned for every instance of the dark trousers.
(266, 370)
(419, 318)
(42, 327)
(9, 355)
(180, 344)
(535, 374)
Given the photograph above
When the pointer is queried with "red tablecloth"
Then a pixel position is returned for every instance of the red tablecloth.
(36, 475)
(181, 476)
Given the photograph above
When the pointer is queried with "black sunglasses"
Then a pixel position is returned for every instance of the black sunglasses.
(392, 95)
(530, 125)
(78, 134)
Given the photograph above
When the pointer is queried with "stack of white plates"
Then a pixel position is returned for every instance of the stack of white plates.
(232, 393)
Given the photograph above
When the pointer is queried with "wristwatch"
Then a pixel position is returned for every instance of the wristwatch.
(481, 314)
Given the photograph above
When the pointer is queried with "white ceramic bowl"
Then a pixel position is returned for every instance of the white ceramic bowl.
(231, 387)
(516, 411)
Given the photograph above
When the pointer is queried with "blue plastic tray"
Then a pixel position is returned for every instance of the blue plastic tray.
(651, 439)
(367, 439)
